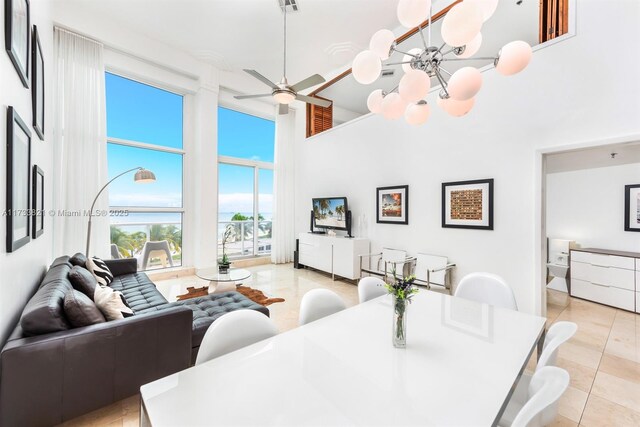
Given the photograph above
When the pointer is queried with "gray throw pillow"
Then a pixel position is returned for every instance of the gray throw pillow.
(80, 310)
(82, 280)
(111, 303)
(78, 259)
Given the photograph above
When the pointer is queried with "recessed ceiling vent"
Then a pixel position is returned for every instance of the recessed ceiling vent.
(290, 5)
(388, 72)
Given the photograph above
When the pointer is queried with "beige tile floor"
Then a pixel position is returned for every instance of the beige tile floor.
(603, 358)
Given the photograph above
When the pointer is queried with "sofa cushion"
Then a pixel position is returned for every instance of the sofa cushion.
(82, 280)
(79, 259)
(80, 310)
(111, 303)
(99, 269)
(139, 291)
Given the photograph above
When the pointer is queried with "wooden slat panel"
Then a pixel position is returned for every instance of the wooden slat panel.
(319, 119)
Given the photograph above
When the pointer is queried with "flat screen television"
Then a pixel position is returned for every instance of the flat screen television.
(330, 213)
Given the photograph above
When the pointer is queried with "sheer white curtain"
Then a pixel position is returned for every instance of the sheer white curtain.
(80, 143)
(283, 189)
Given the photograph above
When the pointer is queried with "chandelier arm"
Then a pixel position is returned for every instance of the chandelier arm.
(443, 84)
(406, 53)
(445, 71)
(430, 14)
(424, 42)
(446, 52)
(399, 63)
(480, 58)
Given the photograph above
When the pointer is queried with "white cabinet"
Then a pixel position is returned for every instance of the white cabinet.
(607, 277)
(339, 256)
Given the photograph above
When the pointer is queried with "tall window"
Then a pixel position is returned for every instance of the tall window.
(144, 128)
(245, 183)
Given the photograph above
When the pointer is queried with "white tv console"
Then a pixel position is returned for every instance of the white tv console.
(336, 255)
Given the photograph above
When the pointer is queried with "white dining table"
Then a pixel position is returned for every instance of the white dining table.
(459, 367)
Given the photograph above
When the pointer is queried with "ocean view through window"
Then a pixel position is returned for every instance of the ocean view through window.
(144, 128)
(245, 183)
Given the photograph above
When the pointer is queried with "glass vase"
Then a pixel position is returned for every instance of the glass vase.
(399, 322)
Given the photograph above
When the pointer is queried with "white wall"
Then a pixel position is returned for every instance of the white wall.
(22, 270)
(567, 95)
(588, 206)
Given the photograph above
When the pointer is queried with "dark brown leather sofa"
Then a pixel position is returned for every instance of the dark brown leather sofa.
(63, 372)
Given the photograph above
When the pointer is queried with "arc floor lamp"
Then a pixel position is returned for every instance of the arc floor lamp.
(142, 176)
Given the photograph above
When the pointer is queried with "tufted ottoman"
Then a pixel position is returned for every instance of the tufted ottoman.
(143, 296)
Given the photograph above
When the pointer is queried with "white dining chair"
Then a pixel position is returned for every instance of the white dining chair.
(487, 288)
(233, 331)
(370, 288)
(319, 303)
(541, 406)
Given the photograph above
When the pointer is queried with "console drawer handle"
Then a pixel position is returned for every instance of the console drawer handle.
(599, 284)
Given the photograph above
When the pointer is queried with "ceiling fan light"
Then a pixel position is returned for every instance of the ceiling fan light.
(406, 58)
(393, 106)
(417, 114)
(284, 97)
(513, 58)
(464, 83)
(374, 101)
(414, 85)
(462, 24)
(472, 47)
(486, 7)
(366, 67)
(381, 43)
(412, 13)
(454, 107)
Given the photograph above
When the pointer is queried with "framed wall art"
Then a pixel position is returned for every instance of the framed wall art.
(37, 85)
(392, 205)
(632, 207)
(17, 33)
(18, 181)
(37, 203)
(468, 204)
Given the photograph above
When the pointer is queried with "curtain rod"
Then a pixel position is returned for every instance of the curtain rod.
(64, 30)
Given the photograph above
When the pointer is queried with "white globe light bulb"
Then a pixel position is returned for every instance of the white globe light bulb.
(374, 101)
(417, 114)
(486, 7)
(464, 83)
(472, 47)
(414, 85)
(407, 67)
(366, 67)
(412, 13)
(513, 58)
(381, 43)
(456, 108)
(393, 106)
(461, 24)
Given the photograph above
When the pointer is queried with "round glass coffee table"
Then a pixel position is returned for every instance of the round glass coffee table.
(223, 282)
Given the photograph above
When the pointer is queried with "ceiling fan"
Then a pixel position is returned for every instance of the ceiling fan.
(282, 92)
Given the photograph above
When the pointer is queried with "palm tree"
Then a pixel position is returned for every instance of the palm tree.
(324, 205)
(122, 240)
(340, 212)
(170, 233)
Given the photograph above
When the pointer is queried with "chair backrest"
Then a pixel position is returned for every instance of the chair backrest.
(545, 389)
(557, 334)
(487, 288)
(370, 288)
(319, 303)
(115, 252)
(393, 255)
(233, 331)
(426, 262)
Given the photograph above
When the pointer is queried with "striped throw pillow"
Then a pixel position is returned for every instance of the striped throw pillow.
(100, 271)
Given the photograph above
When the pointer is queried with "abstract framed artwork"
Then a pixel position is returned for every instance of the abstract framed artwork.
(17, 33)
(392, 205)
(37, 203)
(468, 204)
(37, 85)
(18, 181)
(632, 207)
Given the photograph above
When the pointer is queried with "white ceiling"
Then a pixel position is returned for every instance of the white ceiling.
(595, 157)
(236, 34)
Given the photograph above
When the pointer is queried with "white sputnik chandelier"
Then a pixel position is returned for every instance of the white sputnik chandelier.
(460, 30)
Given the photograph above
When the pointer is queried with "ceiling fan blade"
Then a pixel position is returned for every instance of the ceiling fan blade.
(314, 101)
(262, 78)
(316, 79)
(283, 109)
(252, 96)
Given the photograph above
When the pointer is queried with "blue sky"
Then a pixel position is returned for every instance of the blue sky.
(143, 113)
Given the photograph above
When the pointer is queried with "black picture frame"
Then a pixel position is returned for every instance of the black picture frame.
(37, 84)
(18, 181)
(486, 222)
(386, 218)
(629, 190)
(37, 203)
(17, 35)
